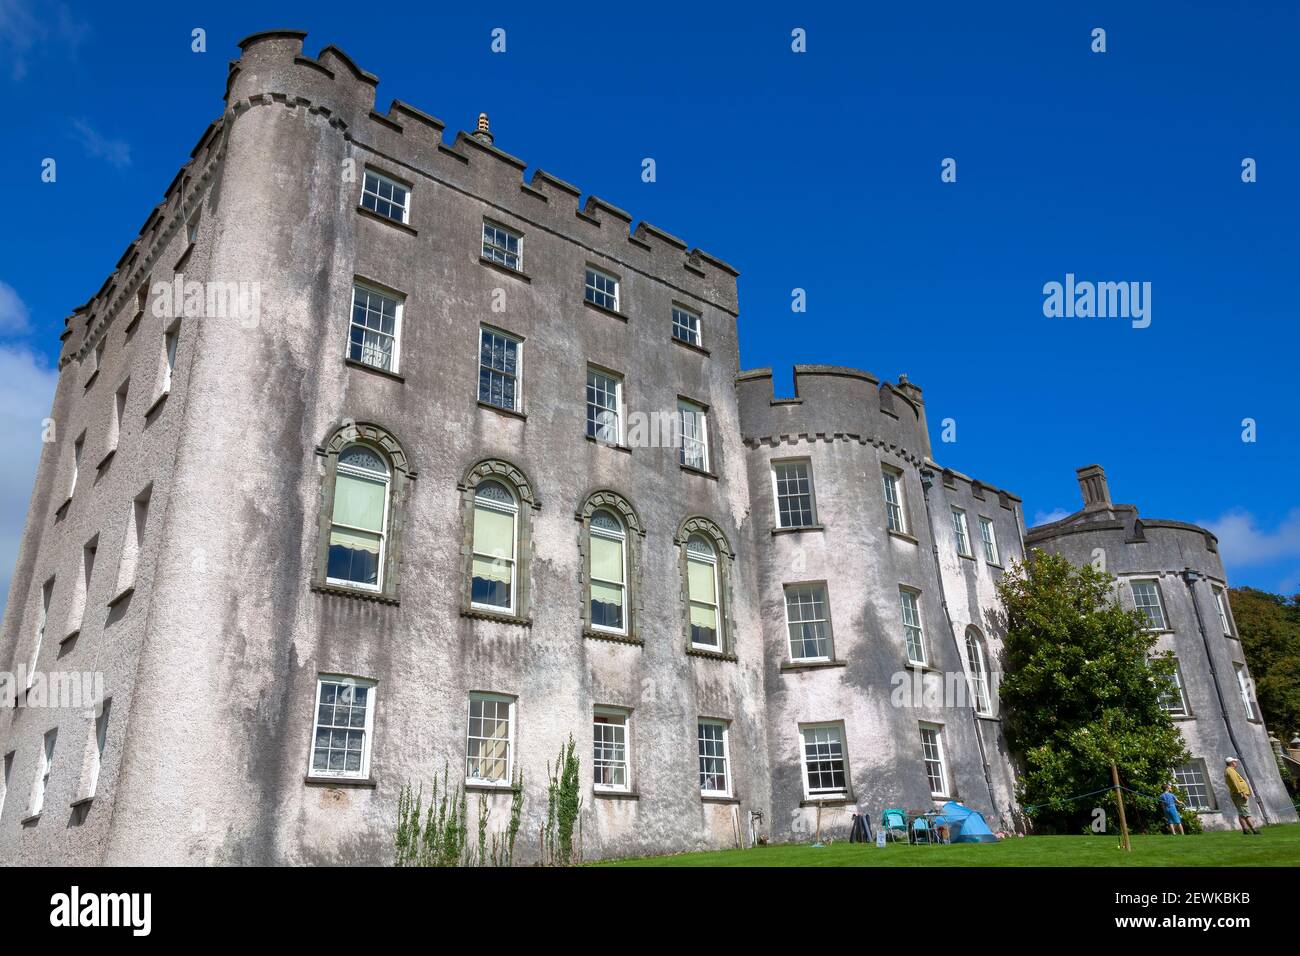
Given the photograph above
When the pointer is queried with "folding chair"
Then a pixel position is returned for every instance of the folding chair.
(894, 822)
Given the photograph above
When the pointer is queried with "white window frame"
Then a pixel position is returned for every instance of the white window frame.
(620, 718)
(725, 756)
(44, 769)
(511, 713)
(1221, 603)
(399, 304)
(622, 538)
(822, 793)
(815, 590)
(6, 770)
(961, 532)
(697, 436)
(78, 447)
(806, 464)
(1159, 605)
(1247, 693)
(364, 475)
(490, 505)
(1193, 772)
(717, 591)
(398, 184)
(914, 607)
(517, 376)
(47, 595)
(977, 665)
(604, 379)
(693, 324)
(98, 743)
(895, 500)
(1174, 687)
(171, 343)
(494, 252)
(367, 730)
(989, 538)
(940, 757)
(591, 290)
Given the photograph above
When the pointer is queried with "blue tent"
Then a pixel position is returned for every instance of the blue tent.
(966, 825)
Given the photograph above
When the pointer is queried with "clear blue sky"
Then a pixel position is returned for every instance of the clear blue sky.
(819, 171)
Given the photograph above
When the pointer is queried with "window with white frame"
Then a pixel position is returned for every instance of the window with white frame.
(695, 435)
(118, 414)
(503, 246)
(936, 770)
(1221, 604)
(960, 532)
(47, 592)
(989, 538)
(170, 340)
(1247, 694)
(387, 197)
(359, 520)
(792, 481)
(373, 335)
(98, 743)
(499, 366)
(604, 407)
(808, 620)
(825, 773)
(77, 447)
(1173, 699)
(895, 515)
(715, 780)
(344, 726)
(495, 543)
(1190, 779)
(609, 758)
(601, 289)
(913, 635)
(46, 766)
(977, 666)
(686, 326)
(702, 583)
(608, 551)
(490, 742)
(1146, 597)
(4, 780)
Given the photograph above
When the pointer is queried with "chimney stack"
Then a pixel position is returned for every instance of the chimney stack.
(1092, 482)
(483, 134)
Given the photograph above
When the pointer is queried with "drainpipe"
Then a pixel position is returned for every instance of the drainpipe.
(927, 480)
(1190, 578)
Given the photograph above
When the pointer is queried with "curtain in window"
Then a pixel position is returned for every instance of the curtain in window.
(701, 579)
(494, 552)
(358, 524)
(606, 582)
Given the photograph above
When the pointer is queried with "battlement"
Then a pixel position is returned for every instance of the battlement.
(410, 142)
(829, 401)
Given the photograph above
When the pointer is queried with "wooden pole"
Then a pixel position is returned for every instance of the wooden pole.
(819, 824)
(1119, 802)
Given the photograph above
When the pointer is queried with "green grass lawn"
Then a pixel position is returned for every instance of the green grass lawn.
(1278, 846)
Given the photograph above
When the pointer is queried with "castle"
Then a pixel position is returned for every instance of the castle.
(353, 482)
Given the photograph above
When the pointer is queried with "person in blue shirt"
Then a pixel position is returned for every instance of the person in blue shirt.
(1171, 803)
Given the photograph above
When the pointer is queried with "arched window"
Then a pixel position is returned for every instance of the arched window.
(977, 668)
(363, 490)
(497, 505)
(495, 543)
(359, 520)
(702, 590)
(608, 581)
(609, 542)
(706, 587)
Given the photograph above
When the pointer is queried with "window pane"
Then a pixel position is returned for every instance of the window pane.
(359, 502)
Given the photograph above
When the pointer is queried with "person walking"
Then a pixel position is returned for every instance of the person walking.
(1240, 792)
(1169, 800)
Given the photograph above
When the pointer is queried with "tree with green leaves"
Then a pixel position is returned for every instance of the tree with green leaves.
(1269, 628)
(1081, 689)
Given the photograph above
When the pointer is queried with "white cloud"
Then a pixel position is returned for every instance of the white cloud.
(26, 35)
(116, 151)
(1242, 542)
(26, 391)
(13, 311)
(1047, 517)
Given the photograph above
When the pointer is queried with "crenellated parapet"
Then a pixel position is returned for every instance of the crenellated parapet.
(409, 143)
(832, 403)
